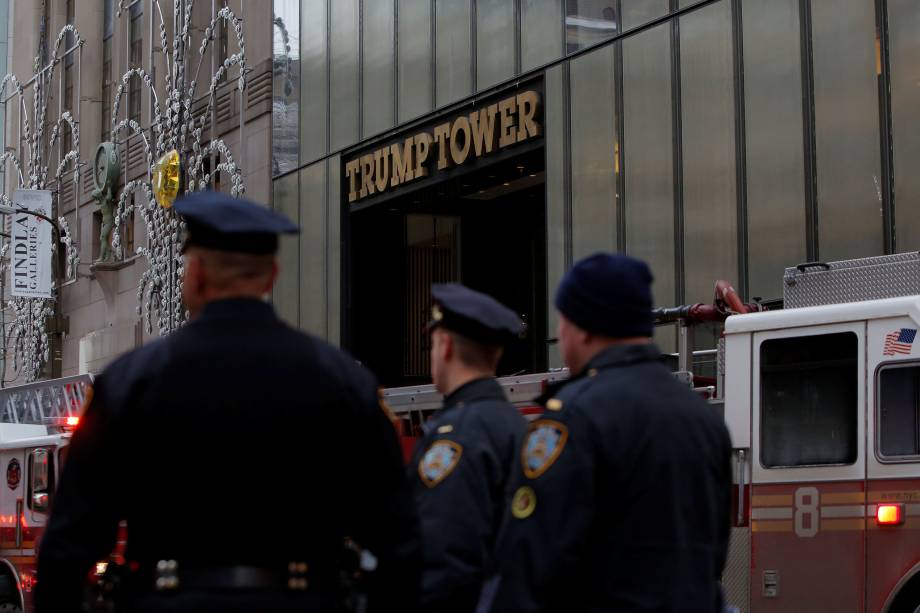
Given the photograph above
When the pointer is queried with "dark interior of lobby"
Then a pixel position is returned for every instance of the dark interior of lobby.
(485, 227)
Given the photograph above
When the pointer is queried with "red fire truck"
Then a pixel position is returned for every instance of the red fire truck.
(822, 398)
(36, 422)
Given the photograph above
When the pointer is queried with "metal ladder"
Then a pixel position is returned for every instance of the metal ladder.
(43, 402)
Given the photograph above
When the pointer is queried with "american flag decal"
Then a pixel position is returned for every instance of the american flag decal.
(899, 341)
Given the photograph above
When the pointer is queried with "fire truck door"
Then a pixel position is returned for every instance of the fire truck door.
(12, 501)
(893, 535)
(808, 469)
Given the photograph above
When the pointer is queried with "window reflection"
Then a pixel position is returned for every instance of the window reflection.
(286, 86)
(588, 22)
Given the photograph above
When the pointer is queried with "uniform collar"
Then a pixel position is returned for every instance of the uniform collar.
(621, 355)
(237, 308)
(617, 355)
(486, 388)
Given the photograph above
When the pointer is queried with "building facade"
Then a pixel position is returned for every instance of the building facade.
(715, 139)
(97, 317)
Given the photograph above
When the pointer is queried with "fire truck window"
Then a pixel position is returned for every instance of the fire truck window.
(899, 411)
(809, 400)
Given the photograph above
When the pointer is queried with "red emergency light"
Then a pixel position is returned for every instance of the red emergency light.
(890, 514)
(72, 422)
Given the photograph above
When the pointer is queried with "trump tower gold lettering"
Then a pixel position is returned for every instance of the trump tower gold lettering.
(451, 143)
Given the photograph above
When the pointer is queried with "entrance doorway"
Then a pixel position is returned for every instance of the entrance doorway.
(485, 229)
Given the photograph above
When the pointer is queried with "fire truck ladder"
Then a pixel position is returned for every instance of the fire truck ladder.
(43, 402)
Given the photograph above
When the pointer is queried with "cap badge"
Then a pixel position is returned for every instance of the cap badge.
(542, 446)
(439, 461)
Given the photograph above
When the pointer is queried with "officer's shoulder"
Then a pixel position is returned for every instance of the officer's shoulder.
(491, 417)
(569, 397)
(336, 364)
(132, 368)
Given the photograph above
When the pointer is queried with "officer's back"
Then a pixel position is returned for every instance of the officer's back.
(460, 468)
(238, 448)
(621, 502)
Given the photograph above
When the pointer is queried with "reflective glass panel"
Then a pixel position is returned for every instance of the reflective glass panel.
(314, 104)
(285, 86)
(494, 41)
(378, 32)
(541, 32)
(285, 296)
(648, 156)
(344, 73)
(707, 120)
(414, 50)
(454, 56)
(588, 22)
(904, 57)
(774, 143)
(594, 158)
(846, 130)
(313, 237)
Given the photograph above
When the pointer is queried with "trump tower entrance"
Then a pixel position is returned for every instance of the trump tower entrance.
(459, 198)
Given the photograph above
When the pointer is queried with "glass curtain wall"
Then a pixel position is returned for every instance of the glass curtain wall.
(729, 141)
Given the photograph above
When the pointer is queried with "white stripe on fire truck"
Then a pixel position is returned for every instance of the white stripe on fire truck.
(772, 513)
(850, 510)
(830, 511)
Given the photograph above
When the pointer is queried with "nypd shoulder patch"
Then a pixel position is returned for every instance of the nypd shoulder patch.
(439, 461)
(542, 446)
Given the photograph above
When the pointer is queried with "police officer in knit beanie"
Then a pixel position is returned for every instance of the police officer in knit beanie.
(622, 443)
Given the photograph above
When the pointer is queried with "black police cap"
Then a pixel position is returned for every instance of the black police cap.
(474, 315)
(218, 221)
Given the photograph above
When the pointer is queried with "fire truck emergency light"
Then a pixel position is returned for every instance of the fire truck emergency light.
(890, 514)
(72, 421)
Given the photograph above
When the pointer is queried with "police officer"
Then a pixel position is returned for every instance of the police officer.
(240, 451)
(460, 467)
(621, 500)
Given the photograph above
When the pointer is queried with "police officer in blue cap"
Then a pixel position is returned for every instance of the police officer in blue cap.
(460, 467)
(621, 498)
(240, 452)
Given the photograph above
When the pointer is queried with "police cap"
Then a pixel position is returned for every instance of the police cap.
(474, 315)
(218, 221)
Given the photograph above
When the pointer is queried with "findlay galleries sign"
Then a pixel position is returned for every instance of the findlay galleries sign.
(31, 244)
(452, 143)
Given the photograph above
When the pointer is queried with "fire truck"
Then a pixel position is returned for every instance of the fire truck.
(821, 395)
(36, 423)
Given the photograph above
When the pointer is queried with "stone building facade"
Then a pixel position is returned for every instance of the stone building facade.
(98, 308)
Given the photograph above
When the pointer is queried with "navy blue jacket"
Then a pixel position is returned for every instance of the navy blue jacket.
(459, 474)
(622, 497)
(236, 440)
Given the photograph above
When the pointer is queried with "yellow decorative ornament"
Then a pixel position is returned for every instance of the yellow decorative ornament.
(166, 179)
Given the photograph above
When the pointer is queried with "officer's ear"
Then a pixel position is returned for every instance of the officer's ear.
(270, 283)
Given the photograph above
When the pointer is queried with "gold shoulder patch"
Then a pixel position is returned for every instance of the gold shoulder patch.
(524, 502)
(439, 460)
(553, 404)
(542, 446)
(445, 429)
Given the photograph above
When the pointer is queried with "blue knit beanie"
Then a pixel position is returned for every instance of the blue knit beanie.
(608, 294)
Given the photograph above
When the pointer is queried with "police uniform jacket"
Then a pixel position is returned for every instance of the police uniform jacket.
(459, 475)
(236, 440)
(621, 500)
